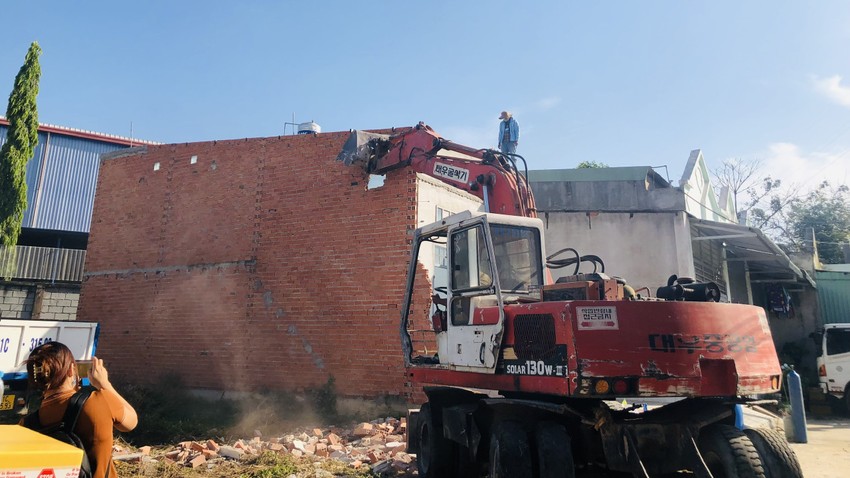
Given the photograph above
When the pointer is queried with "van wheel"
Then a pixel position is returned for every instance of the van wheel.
(728, 453)
(776, 455)
(554, 451)
(435, 452)
(510, 454)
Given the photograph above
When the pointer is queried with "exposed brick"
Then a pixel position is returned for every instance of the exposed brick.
(266, 265)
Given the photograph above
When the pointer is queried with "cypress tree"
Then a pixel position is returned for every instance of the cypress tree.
(21, 139)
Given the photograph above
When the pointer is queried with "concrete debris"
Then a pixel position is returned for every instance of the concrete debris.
(379, 445)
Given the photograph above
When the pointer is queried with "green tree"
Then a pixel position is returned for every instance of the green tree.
(591, 165)
(826, 210)
(21, 139)
(786, 214)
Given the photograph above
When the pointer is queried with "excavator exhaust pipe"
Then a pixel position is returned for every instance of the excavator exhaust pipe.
(362, 147)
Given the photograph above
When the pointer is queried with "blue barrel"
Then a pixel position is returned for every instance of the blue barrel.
(798, 412)
(739, 416)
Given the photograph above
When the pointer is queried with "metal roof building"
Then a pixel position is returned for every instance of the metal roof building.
(61, 180)
(62, 175)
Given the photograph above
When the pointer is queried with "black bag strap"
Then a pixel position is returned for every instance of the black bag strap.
(75, 407)
(32, 421)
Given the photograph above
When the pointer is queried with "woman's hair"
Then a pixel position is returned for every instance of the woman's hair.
(49, 365)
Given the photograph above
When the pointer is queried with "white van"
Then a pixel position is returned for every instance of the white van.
(19, 337)
(834, 362)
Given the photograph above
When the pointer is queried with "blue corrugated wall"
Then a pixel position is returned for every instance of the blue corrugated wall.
(61, 181)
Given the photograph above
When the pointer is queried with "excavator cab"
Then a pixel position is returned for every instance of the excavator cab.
(465, 268)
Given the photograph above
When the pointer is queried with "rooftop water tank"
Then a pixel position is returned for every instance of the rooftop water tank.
(309, 128)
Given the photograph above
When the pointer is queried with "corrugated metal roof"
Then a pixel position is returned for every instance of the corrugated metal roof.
(765, 260)
(833, 296)
(61, 180)
(85, 134)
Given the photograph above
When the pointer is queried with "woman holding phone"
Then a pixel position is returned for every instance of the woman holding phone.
(52, 371)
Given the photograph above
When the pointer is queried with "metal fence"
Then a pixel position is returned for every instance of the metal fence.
(42, 263)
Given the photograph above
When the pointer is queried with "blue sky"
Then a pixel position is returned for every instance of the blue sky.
(622, 82)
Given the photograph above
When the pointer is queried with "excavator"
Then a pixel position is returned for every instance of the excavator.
(527, 376)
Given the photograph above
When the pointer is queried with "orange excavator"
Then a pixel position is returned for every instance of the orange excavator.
(527, 377)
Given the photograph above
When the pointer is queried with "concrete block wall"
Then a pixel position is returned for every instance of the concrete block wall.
(58, 302)
(15, 301)
(265, 264)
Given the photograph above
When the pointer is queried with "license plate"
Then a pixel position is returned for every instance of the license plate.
(8, 402)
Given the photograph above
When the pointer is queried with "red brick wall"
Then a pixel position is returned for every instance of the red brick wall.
(265, 265)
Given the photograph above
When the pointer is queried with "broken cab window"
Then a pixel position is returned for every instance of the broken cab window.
(470, 260)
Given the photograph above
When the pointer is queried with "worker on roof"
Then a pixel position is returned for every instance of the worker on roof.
(508, 133)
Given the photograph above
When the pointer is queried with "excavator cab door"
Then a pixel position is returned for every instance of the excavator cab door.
(475, 312)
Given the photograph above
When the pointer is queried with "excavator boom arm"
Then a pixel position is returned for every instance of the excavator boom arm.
(488, 174)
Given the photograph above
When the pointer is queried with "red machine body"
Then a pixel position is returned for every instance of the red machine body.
(605, 349)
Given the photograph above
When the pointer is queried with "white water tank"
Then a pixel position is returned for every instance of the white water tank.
(309, 128)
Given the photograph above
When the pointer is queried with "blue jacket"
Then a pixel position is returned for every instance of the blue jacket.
(513, 128)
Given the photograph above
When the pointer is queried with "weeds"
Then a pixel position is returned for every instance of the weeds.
(271, 465)
(266, 465)
(169, 413)
(324, 399)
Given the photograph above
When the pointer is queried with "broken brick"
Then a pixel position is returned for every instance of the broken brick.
(197, 461)
(364, 429)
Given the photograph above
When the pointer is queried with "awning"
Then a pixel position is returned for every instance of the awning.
(765, 260)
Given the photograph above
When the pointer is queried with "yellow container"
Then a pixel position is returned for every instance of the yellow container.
(28, 454)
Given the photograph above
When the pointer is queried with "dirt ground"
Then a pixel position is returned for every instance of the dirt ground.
(827, 453)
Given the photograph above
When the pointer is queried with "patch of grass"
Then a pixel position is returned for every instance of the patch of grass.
(338, 468)
(169, 413)
(271, 465)
(324, 399)
(266, 465)
(162, 469)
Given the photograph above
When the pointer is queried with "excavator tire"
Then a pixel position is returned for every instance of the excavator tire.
(510, 453)
(554, 452)
(435, 451)
(729, 453)
(778, 458)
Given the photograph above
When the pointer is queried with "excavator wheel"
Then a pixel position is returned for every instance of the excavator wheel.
(777, 456)
(510, 453)
(729, 453)
(554, 452)
(434, 459)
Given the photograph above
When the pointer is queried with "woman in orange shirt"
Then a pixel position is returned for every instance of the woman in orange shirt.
(52, 371)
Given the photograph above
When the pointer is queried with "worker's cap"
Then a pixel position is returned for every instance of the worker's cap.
(505, 114)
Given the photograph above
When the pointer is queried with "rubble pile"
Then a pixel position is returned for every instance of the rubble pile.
(379, 445)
